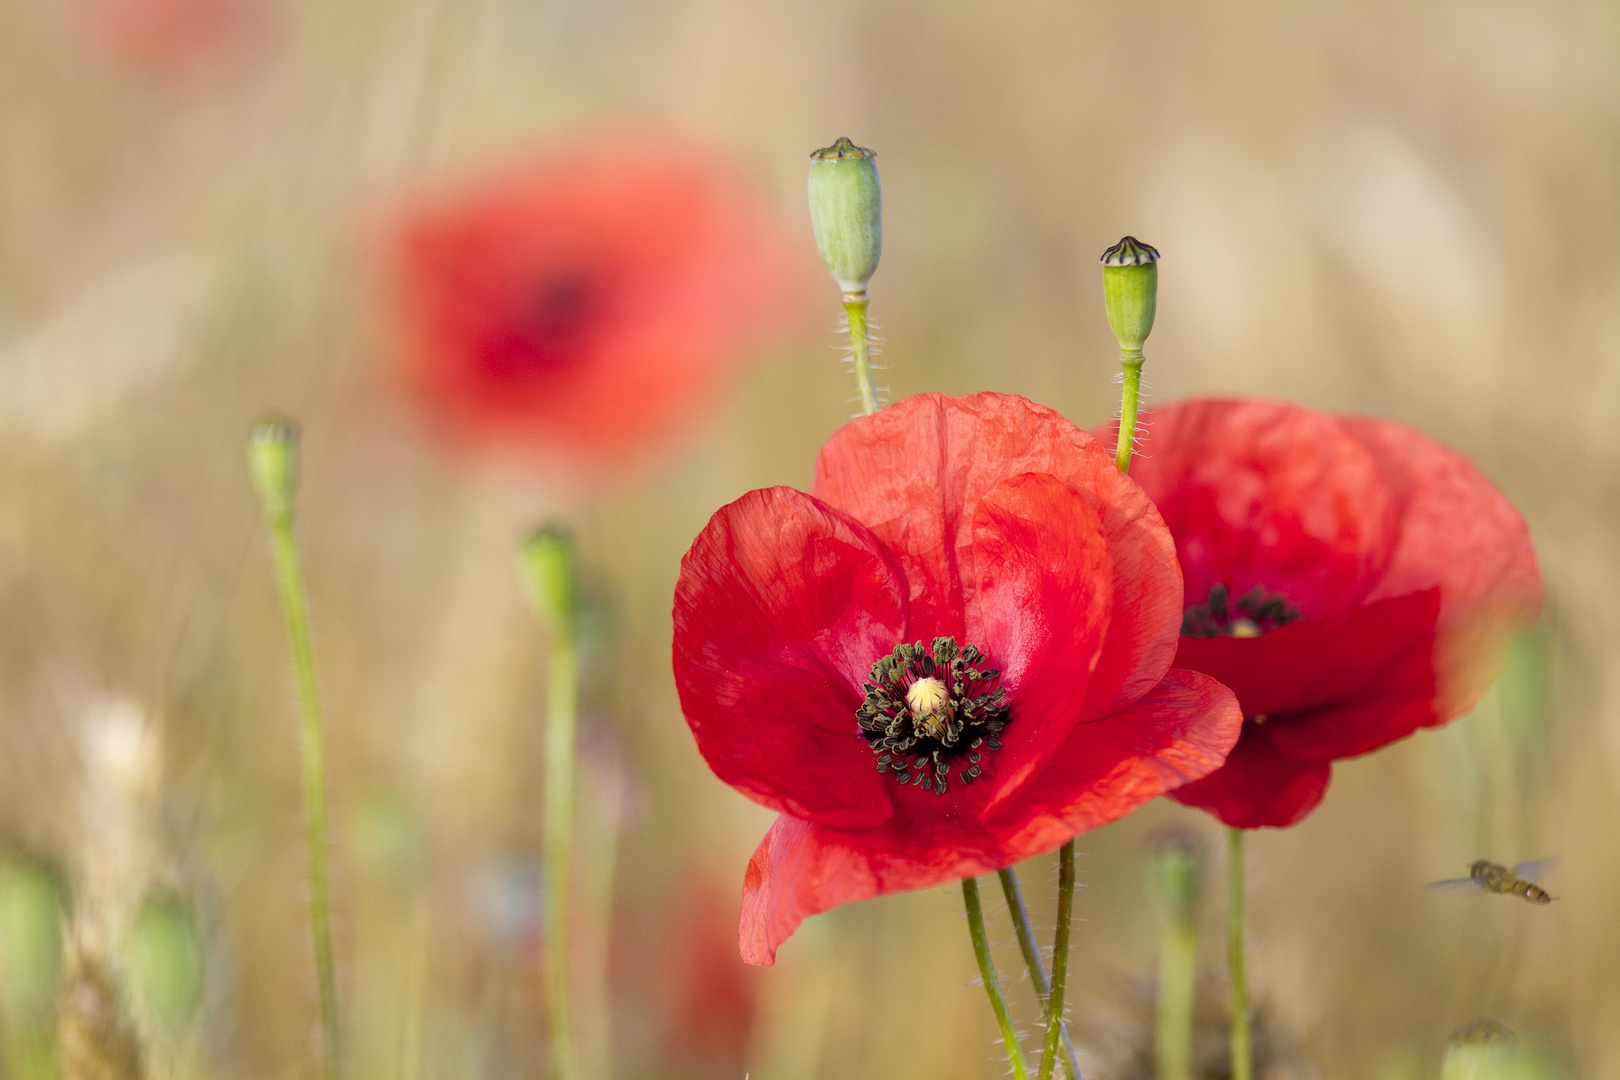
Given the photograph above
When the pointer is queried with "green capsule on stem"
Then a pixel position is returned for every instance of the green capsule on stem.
(273, 461)
(1482, 1050)
(846, 211)
(551, 573)
(1130, 292)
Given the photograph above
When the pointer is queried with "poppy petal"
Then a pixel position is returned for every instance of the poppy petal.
(1393, 704)
(916, 472)
(781, 609)
(1179, 731)
(1259, 785)
(1458, 531)
(1107, 768)
(1308, 664)
(1269, 494)
(1040, 593)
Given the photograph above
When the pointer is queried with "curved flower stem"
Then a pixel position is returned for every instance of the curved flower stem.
(1060, 965)
(1242, 1062)
(1131, 361)
(562, 704)
(860, 346)
(290, 579)
(1032, 958)
(992, 985)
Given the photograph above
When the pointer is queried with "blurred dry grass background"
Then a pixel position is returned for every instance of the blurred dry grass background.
(1409, 209)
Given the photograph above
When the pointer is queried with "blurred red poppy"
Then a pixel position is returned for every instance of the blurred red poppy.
(584, 307)
(712, 998)
(971, 601)
(170, 37)
(1350, 579)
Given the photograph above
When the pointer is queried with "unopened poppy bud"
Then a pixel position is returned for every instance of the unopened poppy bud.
(1482, 1050)
(1176, 879)
(551, 572)
(846, 210)
(273, 460)
(1130, 291)
(164, 962)
(33, 906)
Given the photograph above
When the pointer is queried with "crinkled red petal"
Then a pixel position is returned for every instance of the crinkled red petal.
(1270, 494)
(1039, 595)
(916, 472)
(1309, 664)
(1458, 532)
(1259, 785)
(782, 606)
(1106, 768)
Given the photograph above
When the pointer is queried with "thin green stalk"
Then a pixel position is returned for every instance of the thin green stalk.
(992, 985)
(290, 578)
(1131, 361)
(1178, 959)
(855, 307)
(562, 704)
(1242, 1060)
(419, 937)
(1060, 963)
(1032, 959)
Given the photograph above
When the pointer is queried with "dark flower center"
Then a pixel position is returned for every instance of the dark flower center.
(1252, 614)
(928, 709)
(549, 331)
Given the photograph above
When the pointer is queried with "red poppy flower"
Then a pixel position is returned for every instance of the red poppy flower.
(711, 997)
(1350, 579)
(972, 601)
(583, 307)
(169, 37)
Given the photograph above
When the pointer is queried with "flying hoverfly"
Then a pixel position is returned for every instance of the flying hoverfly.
(1485, 876)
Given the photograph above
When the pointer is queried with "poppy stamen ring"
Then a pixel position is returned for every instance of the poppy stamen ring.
(928, 708)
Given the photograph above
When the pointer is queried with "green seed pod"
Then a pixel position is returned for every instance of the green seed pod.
(846, 210)
(273, 460)
(1176, 879)
(1130, 291)
(551, 572)
(33, 908)
(164, 962)
(1482, 1050)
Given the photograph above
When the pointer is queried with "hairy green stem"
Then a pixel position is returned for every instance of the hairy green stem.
(562, 704)
(987, 971)
(861, 347)
(1131, 361)
(290, 578)
(1032, 958)
(1060, 964)
(1178, 960)
(1242, 1060)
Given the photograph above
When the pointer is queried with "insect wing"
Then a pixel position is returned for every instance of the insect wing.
(1535, 871)
(1458, 885)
